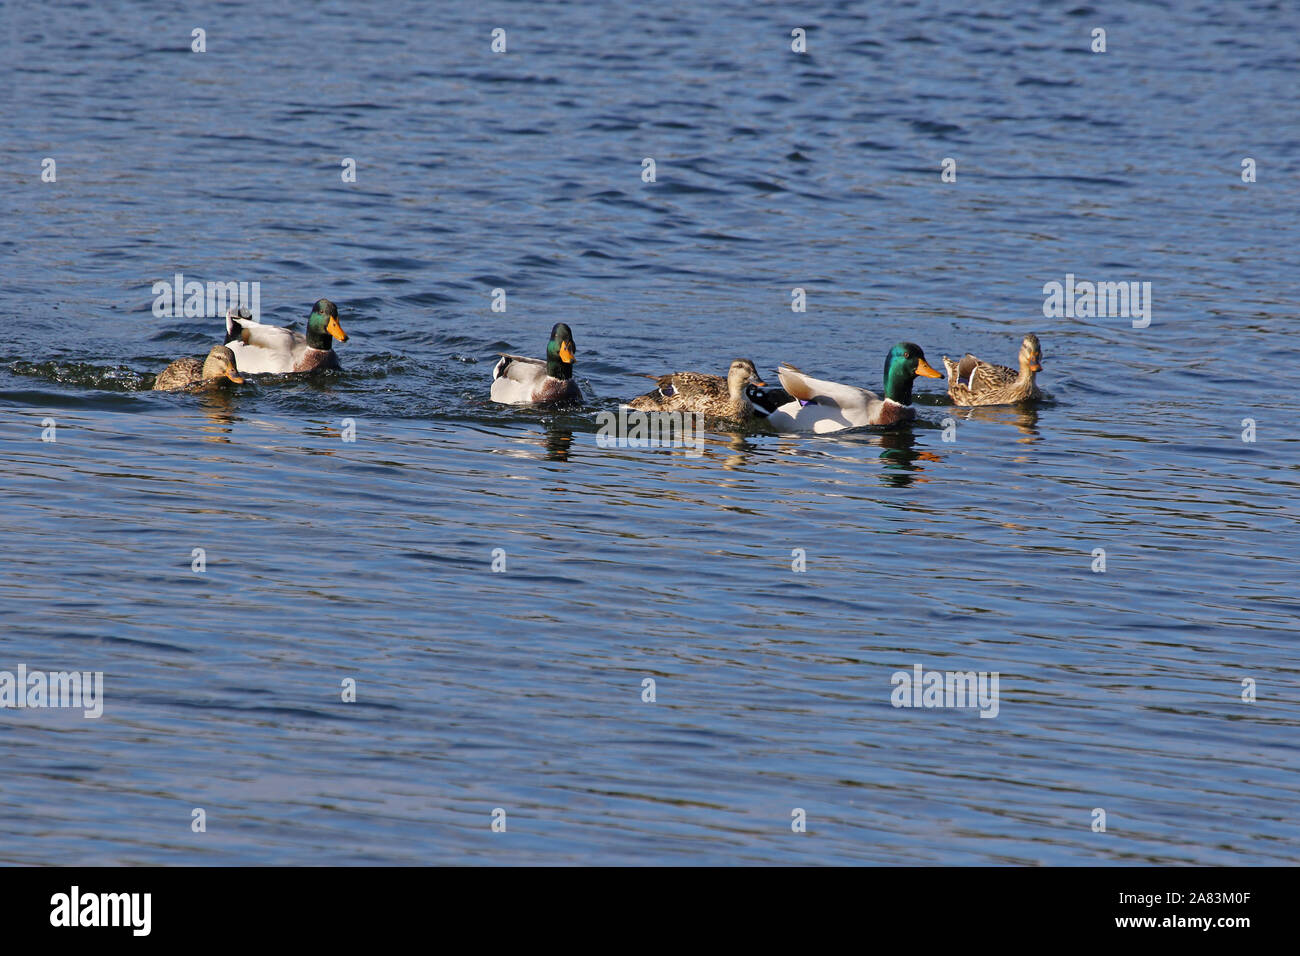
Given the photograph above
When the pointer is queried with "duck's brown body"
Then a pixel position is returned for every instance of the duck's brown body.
(973, 382)
(703, 394)
(191, 373)
(312, 360)
(180, 374)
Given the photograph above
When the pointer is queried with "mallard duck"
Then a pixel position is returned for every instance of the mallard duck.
(270, 348)
(703, 394)
(808, 404)
(972, 382)
(188, 372)
(528, 381)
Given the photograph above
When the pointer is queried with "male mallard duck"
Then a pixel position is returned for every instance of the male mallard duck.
(528, 381)
(703, 394)
(808, 404)
(269, 348)
(188, 372)
(972, 382)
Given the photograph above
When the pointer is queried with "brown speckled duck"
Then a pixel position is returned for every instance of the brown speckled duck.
(189, 373)
(710, 395)
(972, 382)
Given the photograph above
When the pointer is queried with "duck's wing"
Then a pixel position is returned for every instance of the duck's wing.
(248, 332)
(664, 398)
(263, 348)
(981, 376)
(699, 384)
(519, 368)
(180, 374)
(515, 377)
(650, 402)
(805, 388)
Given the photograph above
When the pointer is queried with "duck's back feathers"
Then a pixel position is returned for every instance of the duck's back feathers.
(971, 372)
(247, 331)
(513, 379)
(686, 392)
(975, 382)
(698, 393)
(180, 374)
(805, 388)
(518, 367)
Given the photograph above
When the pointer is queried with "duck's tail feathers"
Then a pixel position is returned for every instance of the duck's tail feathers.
(767, 400)
(794, 382)
(241, 327)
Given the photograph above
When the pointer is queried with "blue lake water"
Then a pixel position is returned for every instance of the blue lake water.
(962, 543)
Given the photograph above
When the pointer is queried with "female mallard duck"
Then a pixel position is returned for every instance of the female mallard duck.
(528, 381)
(972, 382)
(188, 372)
(269, 348)
(703, 394)
(808, 404)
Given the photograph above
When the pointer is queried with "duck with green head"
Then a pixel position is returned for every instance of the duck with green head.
(269, 348)
(517, 380)
(804, 403)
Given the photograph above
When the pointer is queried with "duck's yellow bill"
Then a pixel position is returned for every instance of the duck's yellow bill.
(336, 330)
(923, 368)
(566, 353)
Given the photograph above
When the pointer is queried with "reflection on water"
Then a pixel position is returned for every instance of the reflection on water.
(742, 449)
(902, 458)
(558, 441)
(218, 405)
(1024, 417)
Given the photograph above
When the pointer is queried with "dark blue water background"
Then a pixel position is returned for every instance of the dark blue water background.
(371, 559)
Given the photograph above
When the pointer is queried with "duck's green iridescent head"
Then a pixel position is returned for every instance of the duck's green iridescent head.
(903, 364)
(560, 351)
(323, 326)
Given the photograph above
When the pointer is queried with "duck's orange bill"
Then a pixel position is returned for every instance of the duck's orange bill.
(566, 353)
(336, 330)
(234, 377)
(761, 384)
(1036, 367)
(923, 368)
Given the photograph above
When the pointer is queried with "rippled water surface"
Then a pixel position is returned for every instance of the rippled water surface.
(963, 542)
